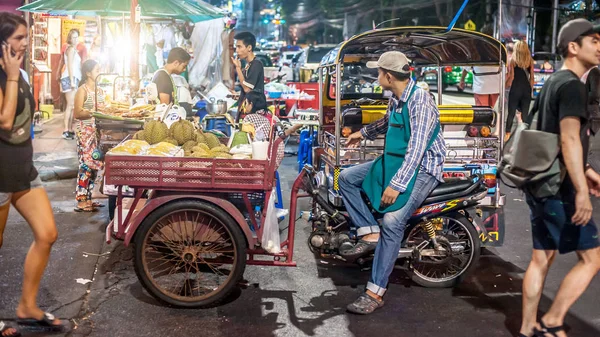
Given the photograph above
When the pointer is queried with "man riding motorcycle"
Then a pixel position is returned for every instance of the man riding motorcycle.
(397, 182)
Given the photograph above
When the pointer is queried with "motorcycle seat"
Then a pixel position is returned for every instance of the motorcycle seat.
(451, 187)
(454, 189)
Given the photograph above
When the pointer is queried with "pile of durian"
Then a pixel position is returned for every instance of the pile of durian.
(194, 143)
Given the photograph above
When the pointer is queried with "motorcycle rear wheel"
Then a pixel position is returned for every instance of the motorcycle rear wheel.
(434, 272)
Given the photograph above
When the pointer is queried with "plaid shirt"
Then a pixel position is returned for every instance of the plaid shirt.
(424, 116)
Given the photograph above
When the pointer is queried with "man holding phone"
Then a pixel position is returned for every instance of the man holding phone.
(252, 76)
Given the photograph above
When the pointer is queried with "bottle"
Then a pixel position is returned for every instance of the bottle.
(257, 215)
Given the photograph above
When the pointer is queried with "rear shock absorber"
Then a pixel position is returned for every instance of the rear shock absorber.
(430, 229)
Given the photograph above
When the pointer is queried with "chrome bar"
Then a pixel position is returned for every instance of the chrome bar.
(320, 100)
(502, 123)
(338, 111)
(440, 84)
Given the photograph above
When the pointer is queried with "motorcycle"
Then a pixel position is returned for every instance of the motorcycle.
(441, 242)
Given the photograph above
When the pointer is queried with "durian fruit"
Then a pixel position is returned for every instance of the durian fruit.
(199, 150)
(221, 148)
(140, 135)
(165, 146)
(171, 141)
(204, 146)
(223, 155)
(189, 145)
(155, 132)
(200, 137)
(182, 131)
(212, 140)
(201, 155)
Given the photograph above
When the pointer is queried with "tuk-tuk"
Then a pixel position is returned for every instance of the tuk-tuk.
(351, 99)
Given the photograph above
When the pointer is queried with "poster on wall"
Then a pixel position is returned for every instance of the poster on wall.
(69, 24)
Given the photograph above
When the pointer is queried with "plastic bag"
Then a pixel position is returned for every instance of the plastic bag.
(270, 239)
(163, 149)
(132, 146)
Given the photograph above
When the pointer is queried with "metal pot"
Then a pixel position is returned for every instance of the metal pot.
(216, 108)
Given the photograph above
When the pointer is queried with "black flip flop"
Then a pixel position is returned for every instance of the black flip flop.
(87, 209)
(46, 324)
(5, 327)
(547, 330)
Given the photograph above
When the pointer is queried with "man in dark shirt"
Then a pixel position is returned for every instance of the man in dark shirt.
(564, 222)
(176, 63)
(252, 76)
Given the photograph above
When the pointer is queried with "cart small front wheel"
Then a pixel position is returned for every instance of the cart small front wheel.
(189, 253)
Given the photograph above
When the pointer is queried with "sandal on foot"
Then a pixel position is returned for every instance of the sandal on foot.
(45, 324)
(364, 305)
(547, 330)
(360, 249)
(87, 209)
(4, 328)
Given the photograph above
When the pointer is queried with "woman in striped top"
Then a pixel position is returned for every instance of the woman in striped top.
(87, 140)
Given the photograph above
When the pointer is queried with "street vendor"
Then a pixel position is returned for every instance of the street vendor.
(86, 100)
(252, 76)
(399, 181)
(177, 62)
(255, 112)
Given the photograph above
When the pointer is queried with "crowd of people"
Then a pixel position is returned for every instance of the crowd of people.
(560, 224)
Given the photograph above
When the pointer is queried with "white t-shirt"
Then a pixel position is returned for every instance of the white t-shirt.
(486, 84)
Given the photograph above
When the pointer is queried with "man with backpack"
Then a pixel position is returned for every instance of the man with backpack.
(563, 222)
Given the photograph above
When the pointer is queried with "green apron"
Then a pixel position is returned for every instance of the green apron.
(386, 166)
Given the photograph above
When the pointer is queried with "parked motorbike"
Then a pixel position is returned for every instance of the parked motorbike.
(440, 245)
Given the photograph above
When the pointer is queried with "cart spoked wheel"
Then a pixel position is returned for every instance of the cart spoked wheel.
(189, 254)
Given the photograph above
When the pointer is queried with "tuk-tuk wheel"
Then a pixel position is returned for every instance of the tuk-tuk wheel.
(189, 253)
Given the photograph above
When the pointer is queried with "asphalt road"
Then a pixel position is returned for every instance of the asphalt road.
(308, 300)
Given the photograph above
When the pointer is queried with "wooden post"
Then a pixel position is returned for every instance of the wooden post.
(135, 48)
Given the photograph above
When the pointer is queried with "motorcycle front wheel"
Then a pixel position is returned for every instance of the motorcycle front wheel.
(458, 236)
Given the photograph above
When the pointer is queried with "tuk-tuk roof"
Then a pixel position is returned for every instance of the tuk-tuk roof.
(424, 46)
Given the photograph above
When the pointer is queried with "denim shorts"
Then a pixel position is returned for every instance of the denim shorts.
(551, 225)
(65, 84)
(5, 197)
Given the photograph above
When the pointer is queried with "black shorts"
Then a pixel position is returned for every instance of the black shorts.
(551, 225)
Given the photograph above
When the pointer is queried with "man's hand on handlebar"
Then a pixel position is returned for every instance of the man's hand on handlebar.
(354, 139)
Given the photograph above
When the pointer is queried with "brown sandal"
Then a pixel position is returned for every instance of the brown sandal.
(364, 305)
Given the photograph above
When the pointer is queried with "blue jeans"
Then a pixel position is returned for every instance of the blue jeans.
(394, 223)
(350, 182)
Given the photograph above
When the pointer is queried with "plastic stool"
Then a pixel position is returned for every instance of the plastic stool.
(279, 203)
(307, 139)
(218, 123)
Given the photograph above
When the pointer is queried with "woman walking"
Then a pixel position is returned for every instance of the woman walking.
(19, 181)
(69, 80)
(520, 80)
(85, 103)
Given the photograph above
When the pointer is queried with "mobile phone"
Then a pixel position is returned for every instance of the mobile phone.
(12, 51)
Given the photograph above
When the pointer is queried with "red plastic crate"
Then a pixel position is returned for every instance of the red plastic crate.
(183, 173)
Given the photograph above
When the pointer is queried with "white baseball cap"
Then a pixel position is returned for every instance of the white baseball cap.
(393, 61)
